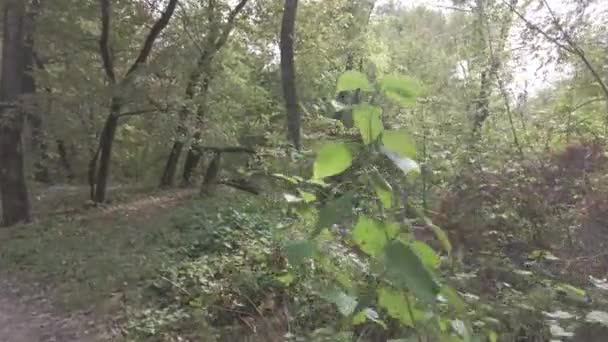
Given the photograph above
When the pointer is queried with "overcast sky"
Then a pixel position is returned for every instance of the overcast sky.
(531, 71)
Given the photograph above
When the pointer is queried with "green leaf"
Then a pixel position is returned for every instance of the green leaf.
(400, 143)
(336, 211)
(299, 251)
(392, 229)
(453, 299)
(286, 279)
(367, 120)
(370, 235)
(353, 80)
(404, 267)
(401, 89)
(346, 304)
(308, 197)
(383, 189)
(426, 254)
(395, 304)
(440, 235)
(572, 292)
(332, 159)
(368, 315)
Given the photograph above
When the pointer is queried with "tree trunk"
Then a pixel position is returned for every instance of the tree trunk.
(64, 161)
(216, 39)
(168, 177)
(192, 159)
(13, 187)
(106, 141)
(31, 106)
(288, 74)
(32, 112)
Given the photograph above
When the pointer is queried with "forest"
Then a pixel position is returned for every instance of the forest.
(312, 170)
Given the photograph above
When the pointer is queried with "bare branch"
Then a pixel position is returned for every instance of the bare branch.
(588, 102)
(576, 49)
(230, 149)
(104, 44)
(155, 31)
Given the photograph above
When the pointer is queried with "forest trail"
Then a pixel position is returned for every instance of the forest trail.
(32, 318)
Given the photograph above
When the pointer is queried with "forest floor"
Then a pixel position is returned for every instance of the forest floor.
(62, 277)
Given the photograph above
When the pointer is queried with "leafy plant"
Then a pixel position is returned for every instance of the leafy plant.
(402, 270)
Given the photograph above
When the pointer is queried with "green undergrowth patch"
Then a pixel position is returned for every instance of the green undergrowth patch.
(226, 276)
(86, 262)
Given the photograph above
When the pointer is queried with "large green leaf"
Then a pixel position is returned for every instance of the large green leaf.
(370, 235)
(454, 300)
(332, 159)
(346, 304)
(335, 211)
(400, 143)
(383, 189)
(396, 305)
(299, 251)
(401, 89)
(426, 254)
(353, 80)
(406, 270)
(367, 120)
(442, 237)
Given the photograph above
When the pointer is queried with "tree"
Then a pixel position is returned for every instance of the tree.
(99, 174)
(13, 187)
(216, 37)
(288, 73)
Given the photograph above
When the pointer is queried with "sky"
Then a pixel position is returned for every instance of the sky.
(532, 74)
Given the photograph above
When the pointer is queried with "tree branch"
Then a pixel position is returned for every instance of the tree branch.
(104, 45)
(230, 24)
(155, 31)
(577, 50)
(588, 102)
(230, 149)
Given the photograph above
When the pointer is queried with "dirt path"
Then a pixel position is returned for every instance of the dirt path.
(26, 318)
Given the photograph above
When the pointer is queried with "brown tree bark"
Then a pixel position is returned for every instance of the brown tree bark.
(288, 73)
(13, 186)
(100, 172)
(31, 107)
(105, 151)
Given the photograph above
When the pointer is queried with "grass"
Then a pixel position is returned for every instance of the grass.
(84, 261)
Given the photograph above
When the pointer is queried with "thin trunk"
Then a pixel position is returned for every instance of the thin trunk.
(288, 73)
(105, 150)
(64, 160)
(13, 186)
(168, 177)
(482, 103)
(192, 160)
(194, 153)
